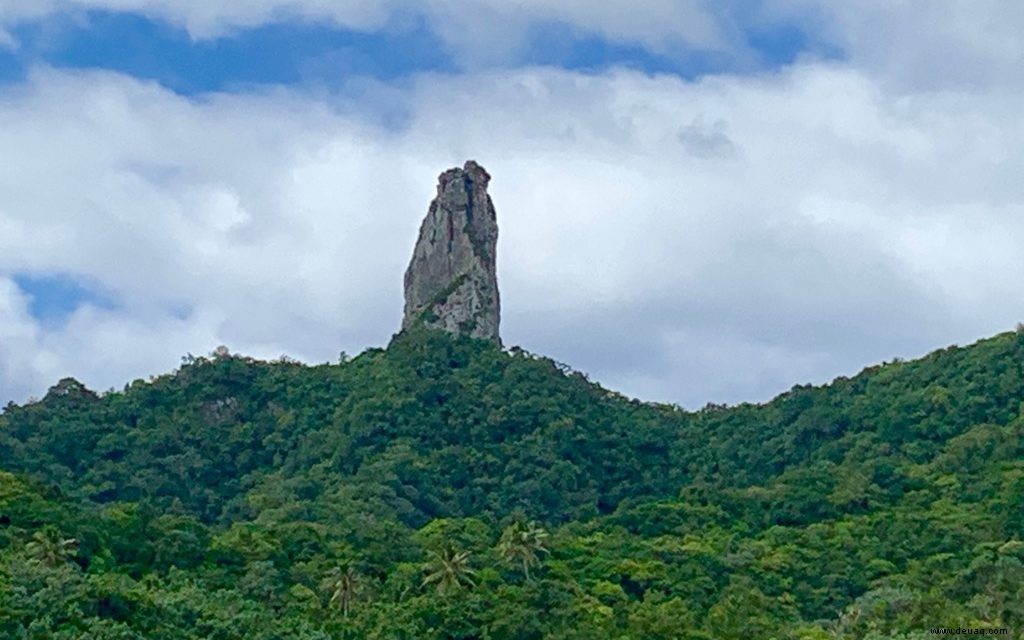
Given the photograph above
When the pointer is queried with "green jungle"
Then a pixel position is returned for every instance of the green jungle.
(448, 488)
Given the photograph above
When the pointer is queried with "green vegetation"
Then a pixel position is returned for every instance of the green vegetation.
(447, 489)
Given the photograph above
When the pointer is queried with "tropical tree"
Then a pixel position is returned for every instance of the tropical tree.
(49, 548)
(449, 570)
(342, 584)
(521, 544)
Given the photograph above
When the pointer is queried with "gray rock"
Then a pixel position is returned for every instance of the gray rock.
(451, 282)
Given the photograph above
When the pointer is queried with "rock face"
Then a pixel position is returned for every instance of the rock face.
(451, 282)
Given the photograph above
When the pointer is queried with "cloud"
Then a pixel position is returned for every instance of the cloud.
(907, 45)
(717, 240)
(491, 31)
(205, 19)
(95, 345)
(920, 45)
(483, 29)
(913, 44)
(22, 363)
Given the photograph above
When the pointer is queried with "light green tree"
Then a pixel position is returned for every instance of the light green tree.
(522, 544)
(449, 570)
(49, 548)
(342, 584)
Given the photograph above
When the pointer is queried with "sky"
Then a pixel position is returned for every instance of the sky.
(698, 201)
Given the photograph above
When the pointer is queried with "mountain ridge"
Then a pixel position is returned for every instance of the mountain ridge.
(895, 482)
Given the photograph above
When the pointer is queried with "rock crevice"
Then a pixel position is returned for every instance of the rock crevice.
(451, 282)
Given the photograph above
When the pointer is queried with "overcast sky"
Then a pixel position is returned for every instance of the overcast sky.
(697, 201)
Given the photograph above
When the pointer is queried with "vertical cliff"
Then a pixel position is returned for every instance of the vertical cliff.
(451, 282)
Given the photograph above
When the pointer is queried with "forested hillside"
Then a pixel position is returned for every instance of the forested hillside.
(445, 488)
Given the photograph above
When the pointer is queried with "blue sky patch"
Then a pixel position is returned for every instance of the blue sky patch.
(310, 55)
(278, 54)
(53, 298)
(560, 45)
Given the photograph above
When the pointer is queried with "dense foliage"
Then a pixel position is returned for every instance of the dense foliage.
(448, 489)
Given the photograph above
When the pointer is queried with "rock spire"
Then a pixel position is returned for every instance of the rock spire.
(451, 282)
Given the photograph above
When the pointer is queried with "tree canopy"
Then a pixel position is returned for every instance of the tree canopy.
(446, 488)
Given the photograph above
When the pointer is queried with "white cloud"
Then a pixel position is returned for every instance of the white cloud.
(921, 45)
(915, 44)
(488, 31)
(480, 30)
(710, 241)
(22, 361)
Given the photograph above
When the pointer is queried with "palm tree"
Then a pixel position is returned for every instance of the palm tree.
(342, 584)
(449, 570)
(522, 543)
(48, 548)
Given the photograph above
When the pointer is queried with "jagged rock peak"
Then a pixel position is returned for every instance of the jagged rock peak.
(451, 281)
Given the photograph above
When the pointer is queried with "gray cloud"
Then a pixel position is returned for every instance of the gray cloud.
(707, 140)
(920, 46)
